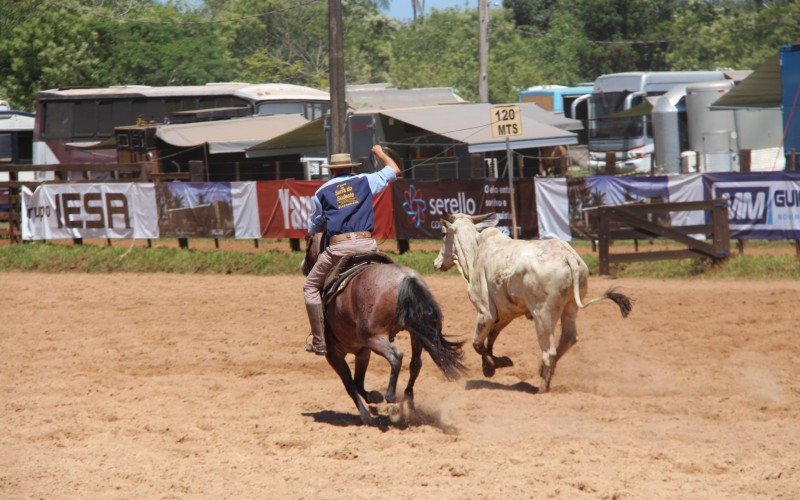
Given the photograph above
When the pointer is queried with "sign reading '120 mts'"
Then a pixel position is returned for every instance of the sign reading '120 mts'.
(506, 120)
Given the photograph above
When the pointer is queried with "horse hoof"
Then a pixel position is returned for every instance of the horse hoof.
(503, 362)
(488, 368)
(374, 397)
(395, 414)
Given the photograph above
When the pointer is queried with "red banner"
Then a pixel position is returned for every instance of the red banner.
(285, 206)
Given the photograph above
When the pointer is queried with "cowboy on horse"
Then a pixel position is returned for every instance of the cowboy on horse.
(343, 208)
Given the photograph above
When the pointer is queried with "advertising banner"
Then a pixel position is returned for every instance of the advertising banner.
(419, 205)
(195, 209)
(760, 205)
(285, 206)
(55, 211)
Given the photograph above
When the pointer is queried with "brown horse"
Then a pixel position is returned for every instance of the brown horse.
(367, 315)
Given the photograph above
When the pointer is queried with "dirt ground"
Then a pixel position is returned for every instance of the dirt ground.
(172, 385)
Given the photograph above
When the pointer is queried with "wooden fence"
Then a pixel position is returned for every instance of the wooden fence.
(637, 221)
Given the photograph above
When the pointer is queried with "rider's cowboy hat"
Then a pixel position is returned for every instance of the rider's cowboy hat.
(341, 160)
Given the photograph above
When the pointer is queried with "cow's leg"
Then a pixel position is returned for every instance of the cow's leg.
(381, 345)
(482, 328)
(569, 329)
(502, 361)
(545, 322)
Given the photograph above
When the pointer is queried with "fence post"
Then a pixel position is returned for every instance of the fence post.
(611, 162)
(294, 244)
(237, 172)
(403, 246)
(792, 159)
(745, 159)
(602, 237)
(721, 239)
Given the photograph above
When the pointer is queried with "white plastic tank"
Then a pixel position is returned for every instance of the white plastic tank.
(669, 129)
(712, 134)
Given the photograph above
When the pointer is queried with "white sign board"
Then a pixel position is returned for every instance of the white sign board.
(506, 120)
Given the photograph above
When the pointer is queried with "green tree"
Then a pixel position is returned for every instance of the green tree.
(441, 49)
(44, 46)
(162, 46)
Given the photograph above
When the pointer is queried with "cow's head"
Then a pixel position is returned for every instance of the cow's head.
(459, 236)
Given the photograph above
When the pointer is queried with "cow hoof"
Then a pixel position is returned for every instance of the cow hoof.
(395, 414)
(488, 368)
(503, 362)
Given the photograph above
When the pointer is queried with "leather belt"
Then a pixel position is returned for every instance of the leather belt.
(338, 238)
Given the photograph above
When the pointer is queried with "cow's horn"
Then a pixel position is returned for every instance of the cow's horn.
(449, 217)
(480, 218)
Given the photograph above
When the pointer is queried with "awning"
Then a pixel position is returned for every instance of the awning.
(762, 89)
(470, 124)
(110, 143)
(308, 138)
(229, 136)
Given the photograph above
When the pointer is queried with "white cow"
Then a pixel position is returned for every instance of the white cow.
(544, 280)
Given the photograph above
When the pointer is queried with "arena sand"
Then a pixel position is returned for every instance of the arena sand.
(171, 385)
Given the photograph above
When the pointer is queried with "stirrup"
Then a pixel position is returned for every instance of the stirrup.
(310, 347)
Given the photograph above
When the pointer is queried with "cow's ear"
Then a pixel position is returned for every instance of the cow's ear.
(449, 217)
(486, 220)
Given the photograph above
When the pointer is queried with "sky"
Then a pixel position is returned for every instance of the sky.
(402, 11)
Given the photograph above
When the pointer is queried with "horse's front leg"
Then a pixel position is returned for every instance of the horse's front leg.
(336, 359)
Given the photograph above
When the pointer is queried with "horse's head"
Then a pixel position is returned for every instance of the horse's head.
(315, 244)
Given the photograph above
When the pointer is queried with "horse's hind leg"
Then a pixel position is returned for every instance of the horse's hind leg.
(339, 364)
(381, 345)
(414, 367)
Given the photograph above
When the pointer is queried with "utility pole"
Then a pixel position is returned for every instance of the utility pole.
(336, 78)
(483, 50)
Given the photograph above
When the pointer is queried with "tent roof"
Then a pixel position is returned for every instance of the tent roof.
(229, 136)
(303, 139)
(762, 89)
(470, 124)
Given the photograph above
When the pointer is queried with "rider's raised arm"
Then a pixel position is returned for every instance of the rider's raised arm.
(316, 222)
(380, 179)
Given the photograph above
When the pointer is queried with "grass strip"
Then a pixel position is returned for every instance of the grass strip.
(44, 257)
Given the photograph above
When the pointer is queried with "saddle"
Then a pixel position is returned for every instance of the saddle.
(346, 268)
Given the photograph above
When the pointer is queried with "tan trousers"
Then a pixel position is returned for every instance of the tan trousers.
(329, 258)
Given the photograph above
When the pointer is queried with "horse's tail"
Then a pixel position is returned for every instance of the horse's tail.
(419, 313)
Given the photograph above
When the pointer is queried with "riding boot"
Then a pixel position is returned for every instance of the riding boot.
(316, 317)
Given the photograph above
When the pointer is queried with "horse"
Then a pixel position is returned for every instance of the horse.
(366, 316)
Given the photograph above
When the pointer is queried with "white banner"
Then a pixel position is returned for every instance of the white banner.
(552, 208)
(56, 211)
(244, 199)
(683, 188)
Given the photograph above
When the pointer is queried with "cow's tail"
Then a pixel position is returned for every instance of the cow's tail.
(418, 312)
(623, 301)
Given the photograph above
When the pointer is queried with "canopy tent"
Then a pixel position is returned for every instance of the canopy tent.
(309, 138)
(229, 136)
(470, 124)
(762, 89)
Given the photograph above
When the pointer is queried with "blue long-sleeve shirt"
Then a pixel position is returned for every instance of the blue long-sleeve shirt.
(345, 202)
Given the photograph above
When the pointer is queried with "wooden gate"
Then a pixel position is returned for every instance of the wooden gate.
(636, 221)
